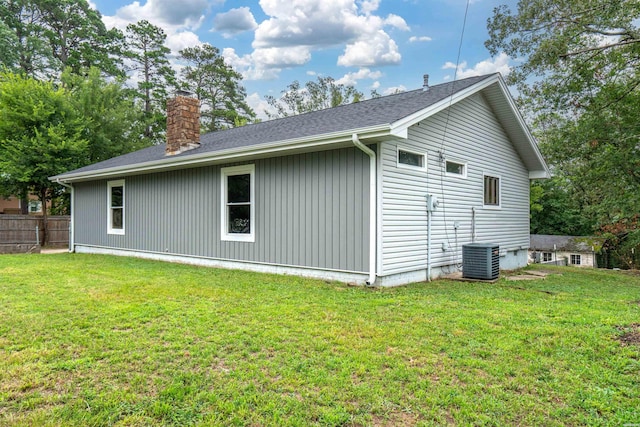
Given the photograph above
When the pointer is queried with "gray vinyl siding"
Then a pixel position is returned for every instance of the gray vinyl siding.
(310, 212)
(475, 137)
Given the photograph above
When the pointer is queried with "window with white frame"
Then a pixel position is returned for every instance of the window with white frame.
(575, 259)
(35, 206)
(410, 159)
(115, 206)
(456, 168)
(546, 256)
(237, 201)
(491, 190)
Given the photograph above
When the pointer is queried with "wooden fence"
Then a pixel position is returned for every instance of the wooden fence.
(25, 233)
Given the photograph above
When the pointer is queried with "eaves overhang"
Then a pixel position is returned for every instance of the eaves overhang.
(235, 154)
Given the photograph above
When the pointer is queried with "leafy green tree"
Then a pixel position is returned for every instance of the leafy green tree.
(44, 36)
(571, 50)
(40, 136)
(112, 124)
(22, 29)
(149, 61)
(217, 86)
(78, 39)
(318, 95)
(578, 76)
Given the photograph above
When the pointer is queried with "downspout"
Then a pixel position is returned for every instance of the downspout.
(71, 221)
(373, 241)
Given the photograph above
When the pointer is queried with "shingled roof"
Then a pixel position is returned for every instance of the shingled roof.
(547, 242)
(365, 115)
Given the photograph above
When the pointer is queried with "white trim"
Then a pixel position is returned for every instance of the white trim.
(398, 128)
(345, 276)
(400, 165)
(232, 154)
(110, 229)
(224, 174)
(453, 174)
(499, 178)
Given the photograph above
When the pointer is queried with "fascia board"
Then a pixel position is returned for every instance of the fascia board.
(226, 155)
(525, 129)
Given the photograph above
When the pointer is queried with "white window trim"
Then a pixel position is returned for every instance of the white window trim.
(224, 173)
(422, 168)
(499, 205)
(110, 185)
(575, 257)
(458, 175)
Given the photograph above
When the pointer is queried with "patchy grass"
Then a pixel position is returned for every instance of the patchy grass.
(98, 340)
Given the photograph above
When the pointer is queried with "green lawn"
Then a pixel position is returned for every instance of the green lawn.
(98, 340)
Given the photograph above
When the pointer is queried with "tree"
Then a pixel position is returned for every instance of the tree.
(44, 36)
(149, 62)
(25, 49)
(217, 86)
(40, 136)
(78, 39)
(572, 50)
(112, 124)
(318, 95)
(579, 79)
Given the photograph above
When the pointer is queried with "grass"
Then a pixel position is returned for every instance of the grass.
(98, 340)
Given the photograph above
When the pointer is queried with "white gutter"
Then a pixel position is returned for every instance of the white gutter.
(71, 222)
(373, 241)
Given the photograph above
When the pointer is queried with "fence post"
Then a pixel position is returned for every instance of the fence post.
(37, 235)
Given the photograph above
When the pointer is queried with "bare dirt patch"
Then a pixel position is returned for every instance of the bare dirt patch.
(631, 334)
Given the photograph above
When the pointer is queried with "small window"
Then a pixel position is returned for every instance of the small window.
(237, 203)
(575, 259)
(35, 206)
(456, 168)
(546, 257)
(115, 203)
(491, 191)
(412, 160)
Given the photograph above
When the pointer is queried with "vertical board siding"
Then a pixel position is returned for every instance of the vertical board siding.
(475, 137)
(309, 212)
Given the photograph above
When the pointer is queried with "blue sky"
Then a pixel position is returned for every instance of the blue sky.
(371, 44)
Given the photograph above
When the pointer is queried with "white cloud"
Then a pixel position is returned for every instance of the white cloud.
(167, 14)
(369, 6)
(397, 22)
(234, 21)
(414, 39)
(394, 89)
(177, 19)
(245, 65)
(259, 106)
(351, 79)
(378, 49)
(182, 40)
(499, 64)
(310, 25)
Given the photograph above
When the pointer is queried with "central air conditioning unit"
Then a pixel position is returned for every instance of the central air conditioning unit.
(481, 261)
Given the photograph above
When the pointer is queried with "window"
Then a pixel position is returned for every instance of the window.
(412, 160)
(575, 259)
(456, 168)
(35, 206)
(546, 256)
(115, 203)
(491, 191)
(237, 203)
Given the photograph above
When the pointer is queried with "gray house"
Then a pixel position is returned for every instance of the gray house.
(384, 191)
(578, 251)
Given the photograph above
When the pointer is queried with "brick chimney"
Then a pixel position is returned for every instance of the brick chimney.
(183, 123)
